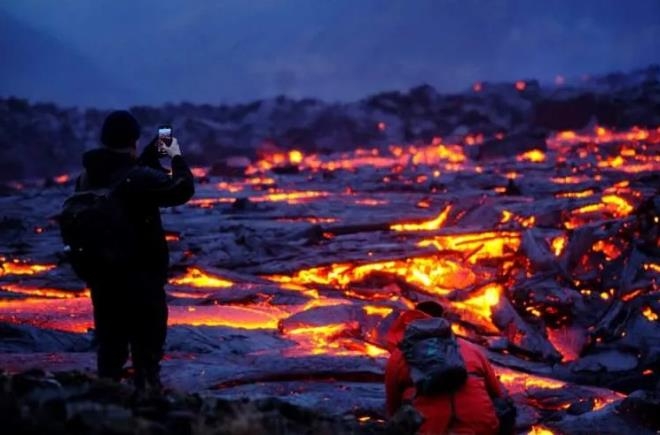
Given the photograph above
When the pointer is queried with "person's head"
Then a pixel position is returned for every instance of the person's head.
(120, 132)
(431, 308)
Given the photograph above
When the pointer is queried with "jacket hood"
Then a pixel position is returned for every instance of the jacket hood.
(396, 332)
(102, 164)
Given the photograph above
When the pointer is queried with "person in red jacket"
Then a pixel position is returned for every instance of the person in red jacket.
(469, 410)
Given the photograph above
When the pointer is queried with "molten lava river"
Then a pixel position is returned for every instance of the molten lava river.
(285, 280)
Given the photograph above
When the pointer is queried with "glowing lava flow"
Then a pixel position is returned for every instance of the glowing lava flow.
(558, 244)
(75, 315)
(432, 224)
(196, 277)
(435, 275)
(489, 244)
(540, 430)
(519, 382)
(534, 156)
(625, 151)
(436, 153)
(292, 197)
(252, 317)
(613, 206)
(43, 292)
(332, 339)
(483, 301)
(17, 267)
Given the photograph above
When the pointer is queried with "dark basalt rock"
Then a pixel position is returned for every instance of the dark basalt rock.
(37, 402)
(643, 406)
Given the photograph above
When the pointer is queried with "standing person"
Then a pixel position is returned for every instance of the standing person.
(125, 258)
(467, 407)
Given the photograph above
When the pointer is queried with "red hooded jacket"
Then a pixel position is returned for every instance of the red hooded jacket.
(472, 411)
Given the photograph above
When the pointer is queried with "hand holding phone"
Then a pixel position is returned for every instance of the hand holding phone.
(173, 149)
(164, 139)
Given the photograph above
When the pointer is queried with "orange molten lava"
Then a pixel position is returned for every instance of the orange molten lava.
(75, 314)
(227, 315)
(292, 197)
(332, 338)
(434, 275)
(540, 430)
(489, 244)
(310, 219)
(535, 156)
(199, 172)
(610, 250)
(649, 314)
(526, 222)
(433, 154)
(562, 343)
(43, 292)
(619, 205)
(579, 194)
(610, 205)
(517, 382)
(196, 277)
(558, 244)
(432, 224)
(483, 301)
(61, 179)
(17, 267)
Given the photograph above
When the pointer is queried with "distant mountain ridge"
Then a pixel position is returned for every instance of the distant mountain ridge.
(45, 140)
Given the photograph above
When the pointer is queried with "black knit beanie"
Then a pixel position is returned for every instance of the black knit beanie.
(120, 130)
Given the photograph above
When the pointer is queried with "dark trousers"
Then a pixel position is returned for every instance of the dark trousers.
(129, 313)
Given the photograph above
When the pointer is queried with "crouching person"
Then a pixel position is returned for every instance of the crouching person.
(448, 381)
(112, 226)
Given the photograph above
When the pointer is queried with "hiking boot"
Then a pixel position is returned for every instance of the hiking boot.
(148, 385)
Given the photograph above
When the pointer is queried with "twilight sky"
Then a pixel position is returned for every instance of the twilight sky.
(109, 53)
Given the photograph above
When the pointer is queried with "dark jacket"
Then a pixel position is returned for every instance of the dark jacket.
(146, 186)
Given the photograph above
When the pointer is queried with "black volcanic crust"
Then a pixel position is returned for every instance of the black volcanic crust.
(35, 402)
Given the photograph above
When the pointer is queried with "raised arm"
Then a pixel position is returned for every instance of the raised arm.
(150, 157)
(155, 186)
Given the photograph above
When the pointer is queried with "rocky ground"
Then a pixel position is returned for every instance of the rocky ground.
(287, 272)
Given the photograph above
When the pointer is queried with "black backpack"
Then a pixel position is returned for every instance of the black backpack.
(431, 351)
(97, 232)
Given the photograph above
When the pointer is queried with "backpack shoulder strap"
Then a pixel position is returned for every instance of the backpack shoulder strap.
(83, 187)
(117, 180)
(121, 177)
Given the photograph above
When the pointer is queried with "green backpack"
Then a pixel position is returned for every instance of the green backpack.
(431, 351)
